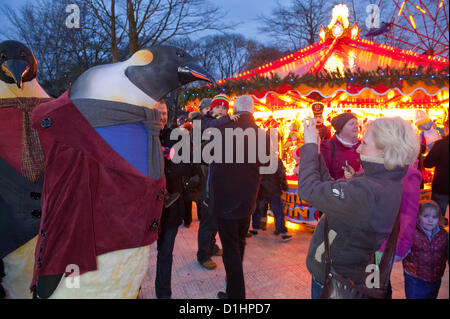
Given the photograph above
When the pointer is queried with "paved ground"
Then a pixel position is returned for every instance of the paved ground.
(273, 270)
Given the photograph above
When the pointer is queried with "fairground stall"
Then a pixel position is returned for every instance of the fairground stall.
(340, 73)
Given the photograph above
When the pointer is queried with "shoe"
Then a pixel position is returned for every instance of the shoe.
(186, 226)
(249, 234)
(219, 252)
(209, 264)
(285, 237)
(253, 232)
(169, 199)
(222, 295)
(276, 233)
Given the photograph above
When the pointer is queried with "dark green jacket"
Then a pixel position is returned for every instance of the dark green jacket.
(361, 213)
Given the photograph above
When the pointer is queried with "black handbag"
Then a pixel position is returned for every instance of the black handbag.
(338, 286)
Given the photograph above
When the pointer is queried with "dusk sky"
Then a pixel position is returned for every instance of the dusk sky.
(245, 12)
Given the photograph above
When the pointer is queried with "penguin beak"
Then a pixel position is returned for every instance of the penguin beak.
(189, 72)
(16, 69)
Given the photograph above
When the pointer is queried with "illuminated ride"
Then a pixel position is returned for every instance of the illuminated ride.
(419, 25)
(345, 73)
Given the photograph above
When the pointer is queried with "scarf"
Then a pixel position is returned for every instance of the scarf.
(32, 165)
(344, 142)
(100, 113)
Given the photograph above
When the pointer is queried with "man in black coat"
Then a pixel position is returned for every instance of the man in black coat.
(172, 215)
(234, 188)
(272, 187)
(438, 158)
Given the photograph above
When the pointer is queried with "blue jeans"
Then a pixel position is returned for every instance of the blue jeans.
(441, 200)
(277, 209)
(316, 288)
(165, 245)
(416, 288)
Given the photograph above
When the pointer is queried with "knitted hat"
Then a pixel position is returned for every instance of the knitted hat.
(339, 121)
(219, 99)
(188, 126)
(244, 103)
(206, 102)
(195, 115)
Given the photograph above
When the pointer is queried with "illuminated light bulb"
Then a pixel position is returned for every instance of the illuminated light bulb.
(322, 33)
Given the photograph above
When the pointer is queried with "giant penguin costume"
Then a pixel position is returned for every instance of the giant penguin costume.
(21, 166)
(104, 184)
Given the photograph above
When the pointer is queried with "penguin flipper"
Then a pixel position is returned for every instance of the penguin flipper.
(46, 285)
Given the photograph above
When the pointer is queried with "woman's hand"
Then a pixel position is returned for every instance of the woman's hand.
(310, 132)
(349, 172)
(234, 117)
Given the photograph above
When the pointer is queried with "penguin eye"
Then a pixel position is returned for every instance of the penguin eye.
(180, 53)
(3, 56)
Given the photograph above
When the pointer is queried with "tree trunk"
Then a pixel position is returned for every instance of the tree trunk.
(114, 48)
(132, 30)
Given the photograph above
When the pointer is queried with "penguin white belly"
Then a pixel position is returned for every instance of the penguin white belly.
(19, 271)
(119, 274)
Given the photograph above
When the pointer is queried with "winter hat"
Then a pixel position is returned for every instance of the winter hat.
(244, 103)
(219, 99)
(206, 102)
(339, 121)
(188, 126)
(195, 116)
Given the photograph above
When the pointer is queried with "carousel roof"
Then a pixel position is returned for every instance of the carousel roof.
(340, 68)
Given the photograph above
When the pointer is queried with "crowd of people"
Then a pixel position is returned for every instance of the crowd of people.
(359, 186)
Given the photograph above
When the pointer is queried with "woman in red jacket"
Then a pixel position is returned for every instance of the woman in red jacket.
(341, 149)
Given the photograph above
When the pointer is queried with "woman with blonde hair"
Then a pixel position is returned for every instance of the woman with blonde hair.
(361, 210)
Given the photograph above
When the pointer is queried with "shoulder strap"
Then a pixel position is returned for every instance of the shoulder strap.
(387, 260)
(327, 247)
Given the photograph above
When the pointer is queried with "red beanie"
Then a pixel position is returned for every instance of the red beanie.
(219, 99)
(339, 121)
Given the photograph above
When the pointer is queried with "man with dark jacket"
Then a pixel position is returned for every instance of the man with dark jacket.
(214, 114)
(172, 216)
(438, 158)
(272, 186)
(234, 188)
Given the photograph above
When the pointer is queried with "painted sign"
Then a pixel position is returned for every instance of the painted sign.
(296, 210)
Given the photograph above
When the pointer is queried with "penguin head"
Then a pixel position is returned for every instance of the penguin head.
(17, 63)
(159, 70)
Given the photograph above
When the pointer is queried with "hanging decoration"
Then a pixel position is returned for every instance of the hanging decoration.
(389, 77)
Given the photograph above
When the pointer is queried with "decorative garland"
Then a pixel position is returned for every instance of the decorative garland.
(390, 77)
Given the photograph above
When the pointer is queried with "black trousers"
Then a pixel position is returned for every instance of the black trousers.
(232, 233)
(187, 212)
(165, 244)
(207, 231)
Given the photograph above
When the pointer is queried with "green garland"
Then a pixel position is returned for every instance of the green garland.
(390, 77)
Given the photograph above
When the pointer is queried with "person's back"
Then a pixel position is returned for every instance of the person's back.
(438, 158)
(235, 184)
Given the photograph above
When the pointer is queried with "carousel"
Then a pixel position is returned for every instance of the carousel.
(343, 72)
